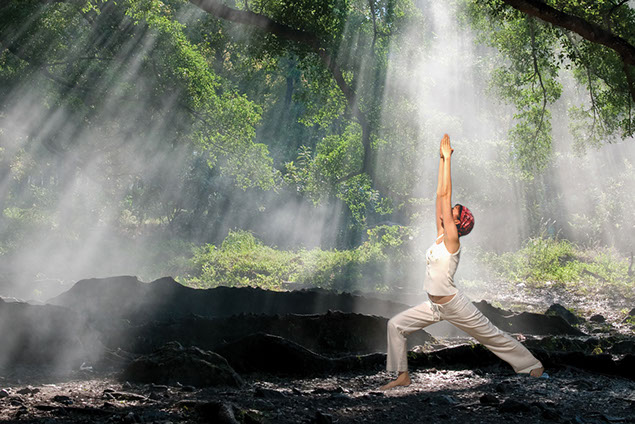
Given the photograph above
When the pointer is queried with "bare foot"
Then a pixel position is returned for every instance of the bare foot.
(537, 372)
(402, 380)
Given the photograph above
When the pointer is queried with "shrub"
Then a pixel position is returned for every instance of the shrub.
(550, 260)
(242, 260)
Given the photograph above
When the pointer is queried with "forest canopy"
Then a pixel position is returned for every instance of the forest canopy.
(185, 115)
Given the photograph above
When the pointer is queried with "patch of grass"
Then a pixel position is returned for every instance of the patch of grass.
(561, 264)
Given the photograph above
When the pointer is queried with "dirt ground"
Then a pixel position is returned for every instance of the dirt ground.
(491, 395)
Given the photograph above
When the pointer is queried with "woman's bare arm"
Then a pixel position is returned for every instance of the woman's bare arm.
(451, 238)
(438, 206)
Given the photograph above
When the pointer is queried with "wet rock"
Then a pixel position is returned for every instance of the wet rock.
(514, 406)
(131, 417)
(559, 310)
(28, 391)
(65, 400)
(173, 363)
(601, 363)
(322, 418)
(22, 410)
(623, 347)
(252, 417)
(325, 390)
(4, 394)
(158, 388)
(155, 416)
(15, 400)
(526, 322)
(488, 399)
(447, 400)
(127, 396)
(626, 366)
(268, 394)
(598, 319)
(45, 408)
(551, 415)
(613, 419)
(340, 396)
(583, 385)
(217, 412)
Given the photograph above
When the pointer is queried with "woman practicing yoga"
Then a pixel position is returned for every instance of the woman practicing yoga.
(446, 302)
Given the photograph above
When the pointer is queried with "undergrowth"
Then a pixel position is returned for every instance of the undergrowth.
(560, 264)
(388, 260)
(242, 260)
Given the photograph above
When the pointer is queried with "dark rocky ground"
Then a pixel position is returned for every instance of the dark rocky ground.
(482, 395)
(117, 350)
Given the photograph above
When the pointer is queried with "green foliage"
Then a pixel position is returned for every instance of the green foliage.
(536, 54)
(242, 260)
(326, 175)
(544, 262)
(527, 78)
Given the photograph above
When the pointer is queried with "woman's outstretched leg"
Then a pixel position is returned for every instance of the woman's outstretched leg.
(463, 314)
(399, 327)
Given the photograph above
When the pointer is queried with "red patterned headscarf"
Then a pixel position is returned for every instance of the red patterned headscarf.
(467, 221)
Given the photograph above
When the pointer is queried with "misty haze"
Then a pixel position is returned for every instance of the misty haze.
(210, 209)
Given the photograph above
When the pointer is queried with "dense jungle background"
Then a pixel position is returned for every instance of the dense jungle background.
(262, 143)
(209, 209)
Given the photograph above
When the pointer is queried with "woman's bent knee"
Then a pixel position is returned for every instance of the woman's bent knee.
(392, 323)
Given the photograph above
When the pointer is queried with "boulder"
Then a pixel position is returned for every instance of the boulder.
(526, 322)
(558, 310)
(172, 364)
(598, 319)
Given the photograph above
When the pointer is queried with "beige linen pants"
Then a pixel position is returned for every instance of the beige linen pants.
(461, 313)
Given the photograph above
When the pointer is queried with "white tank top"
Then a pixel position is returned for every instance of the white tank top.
(441, 266)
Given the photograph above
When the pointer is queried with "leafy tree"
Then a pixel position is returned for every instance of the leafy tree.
(542, 39)
(280, 94)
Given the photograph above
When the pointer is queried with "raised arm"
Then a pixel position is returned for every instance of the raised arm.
(444, 198)
(439, 211)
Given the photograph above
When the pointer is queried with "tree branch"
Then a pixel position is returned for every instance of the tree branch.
(372, 12)
(537, 72)
(631, 86)
(588, 30)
